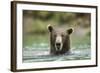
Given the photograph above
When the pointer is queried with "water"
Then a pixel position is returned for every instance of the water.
(40, 53)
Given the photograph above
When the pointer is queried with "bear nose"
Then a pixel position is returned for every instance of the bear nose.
(58, 44)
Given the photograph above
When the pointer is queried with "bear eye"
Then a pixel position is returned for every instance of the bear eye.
(55, 35)
(62, 35)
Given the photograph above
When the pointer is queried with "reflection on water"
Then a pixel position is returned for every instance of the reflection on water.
(41, 53)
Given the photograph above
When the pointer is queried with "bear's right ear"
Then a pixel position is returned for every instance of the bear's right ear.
(69, 31)
(50, 28)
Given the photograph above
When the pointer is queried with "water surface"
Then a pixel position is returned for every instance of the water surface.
(41, 54)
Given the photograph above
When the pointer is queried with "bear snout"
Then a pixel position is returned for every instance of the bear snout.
(58, 45)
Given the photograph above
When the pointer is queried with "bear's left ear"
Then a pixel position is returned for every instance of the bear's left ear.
(69, 31)
(50, 28)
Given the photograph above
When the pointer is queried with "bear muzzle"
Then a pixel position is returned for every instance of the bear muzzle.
(58, 43)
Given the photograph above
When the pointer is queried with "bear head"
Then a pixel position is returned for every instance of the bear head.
(59, 39)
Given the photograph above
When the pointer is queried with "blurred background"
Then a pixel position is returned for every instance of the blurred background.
(36, 35)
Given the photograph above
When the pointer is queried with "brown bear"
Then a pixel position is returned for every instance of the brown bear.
(59, 40)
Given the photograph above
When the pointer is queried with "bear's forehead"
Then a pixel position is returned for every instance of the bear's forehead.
(60, 31)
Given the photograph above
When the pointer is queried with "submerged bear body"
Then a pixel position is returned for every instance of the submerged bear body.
(59, 40)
